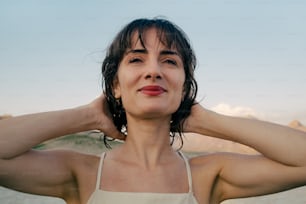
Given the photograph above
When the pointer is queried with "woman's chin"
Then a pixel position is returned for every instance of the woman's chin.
(152, 114)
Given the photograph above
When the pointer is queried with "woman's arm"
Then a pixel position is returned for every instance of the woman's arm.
(46, 172)
(20, 134)
(272, 140)
(282, 164)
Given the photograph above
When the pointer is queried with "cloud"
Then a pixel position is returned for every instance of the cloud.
(239, 111)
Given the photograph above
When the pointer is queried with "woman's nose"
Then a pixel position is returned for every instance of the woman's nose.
(153, 70)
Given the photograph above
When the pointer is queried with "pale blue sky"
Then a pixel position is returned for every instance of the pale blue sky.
(251, 54)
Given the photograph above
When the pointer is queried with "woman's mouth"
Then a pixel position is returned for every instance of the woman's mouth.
(152, 90)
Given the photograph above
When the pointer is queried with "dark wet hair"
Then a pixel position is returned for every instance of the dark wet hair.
(170, 36)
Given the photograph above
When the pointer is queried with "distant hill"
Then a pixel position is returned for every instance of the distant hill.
(5, 116)
(297, 125)
(87, 142)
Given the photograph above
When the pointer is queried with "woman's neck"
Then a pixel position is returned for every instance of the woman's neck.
(148, 141)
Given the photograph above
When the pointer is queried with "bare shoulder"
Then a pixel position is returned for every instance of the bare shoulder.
(208, 161)
(205, 170)
(85, 169)
(74, 160)
(79, 160)
(207, 174)
(216, 161)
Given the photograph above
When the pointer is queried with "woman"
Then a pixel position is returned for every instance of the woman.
(149, 95)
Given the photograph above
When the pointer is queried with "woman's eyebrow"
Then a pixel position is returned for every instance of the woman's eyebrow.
(168, 52)
(144, 51)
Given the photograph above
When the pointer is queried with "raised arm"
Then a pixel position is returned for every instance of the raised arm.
(282, 164)
(19, 134)
(46, 172)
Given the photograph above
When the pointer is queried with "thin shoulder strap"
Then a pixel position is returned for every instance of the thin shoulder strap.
(98, 182)
(188, 170)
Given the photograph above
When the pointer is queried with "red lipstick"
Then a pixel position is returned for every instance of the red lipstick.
(152, 90)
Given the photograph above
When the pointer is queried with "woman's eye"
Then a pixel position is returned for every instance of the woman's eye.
(135, 60)
(170, 61)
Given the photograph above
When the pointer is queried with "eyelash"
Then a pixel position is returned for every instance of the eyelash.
(135, 60)
(138, 60)
(170, 61)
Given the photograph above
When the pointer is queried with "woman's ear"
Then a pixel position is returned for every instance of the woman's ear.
(116, 88)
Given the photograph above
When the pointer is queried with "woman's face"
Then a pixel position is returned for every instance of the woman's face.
(150, 79)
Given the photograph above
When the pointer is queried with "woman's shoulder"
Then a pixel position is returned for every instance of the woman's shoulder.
(206, 160)
(215, 158)
(76, 160)
(211, 162)
(84, 169)
(205, 171)
(80, 159)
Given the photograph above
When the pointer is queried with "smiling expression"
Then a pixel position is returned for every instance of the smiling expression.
(150, 78)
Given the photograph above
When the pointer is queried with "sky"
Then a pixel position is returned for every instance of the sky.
(251, 54)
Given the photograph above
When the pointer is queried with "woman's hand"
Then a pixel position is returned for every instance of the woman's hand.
(104, 118)
(198, 121)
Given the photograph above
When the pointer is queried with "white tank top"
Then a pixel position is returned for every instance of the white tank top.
(100, 196)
